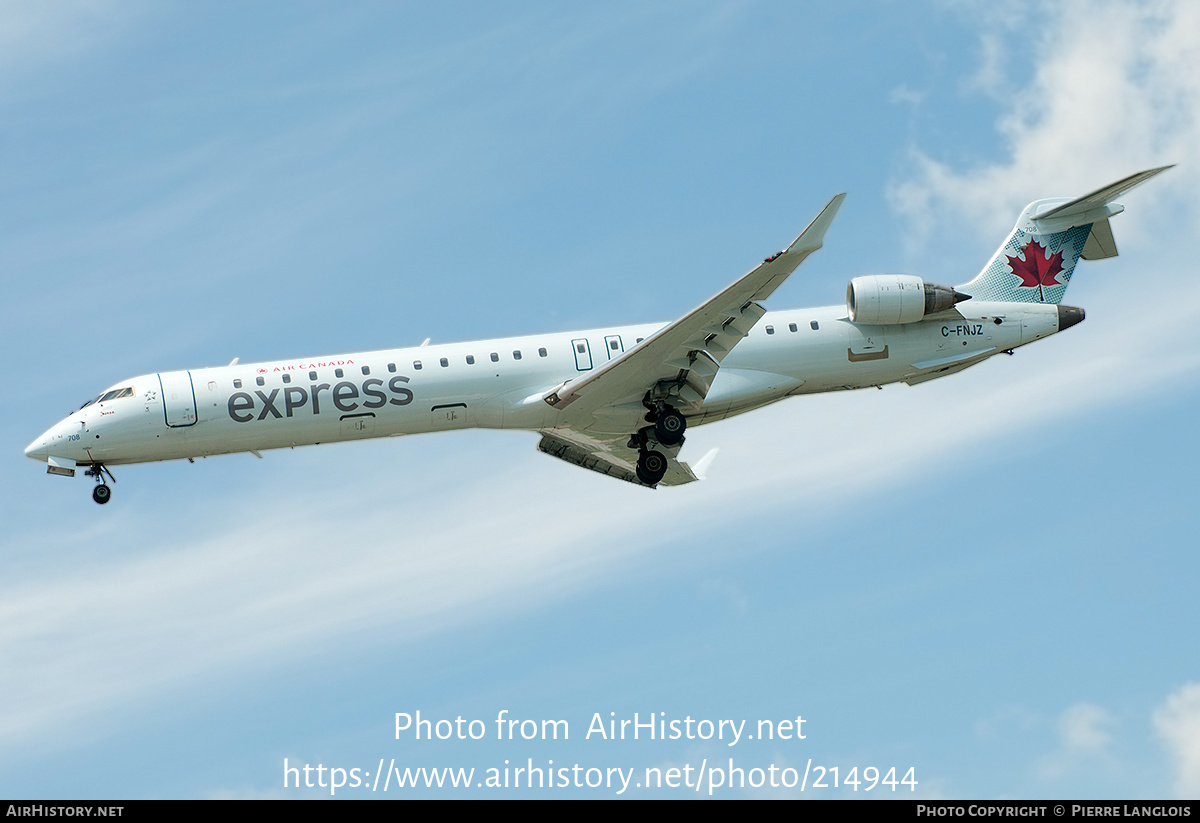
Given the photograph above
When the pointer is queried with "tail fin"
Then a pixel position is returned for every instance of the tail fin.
(1035, 263)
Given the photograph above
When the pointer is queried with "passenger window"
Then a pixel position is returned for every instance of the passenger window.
(495, 357)
(470, 360)
(338, 373)
(287, 378)
(392, 366)
(237, 384)
(791, 326)
(417, 365)
(312, 375)
(813, 325)
(579, 347)
(516, 355)
(770, 329)
(366, 369)
(260, 381)
(444, 362)
(541, 352)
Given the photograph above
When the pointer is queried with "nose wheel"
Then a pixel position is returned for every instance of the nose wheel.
(102, 493)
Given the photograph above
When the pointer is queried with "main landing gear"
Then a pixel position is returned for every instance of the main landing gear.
(102, 493)
(667, 430)
(651, 467)
(669, 427)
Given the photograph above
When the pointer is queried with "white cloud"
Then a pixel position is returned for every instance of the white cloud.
(1177, 723)
(1083, 729)
(270, 588)
(1084, 740)
(33, 34)
(1117, 90)
(903, 95)
(991, 78)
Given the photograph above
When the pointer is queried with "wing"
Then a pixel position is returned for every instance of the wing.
(612, 456)
(681, 359)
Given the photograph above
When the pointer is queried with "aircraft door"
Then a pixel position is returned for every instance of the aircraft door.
(583, 354)
(613, 345)
(179, 398)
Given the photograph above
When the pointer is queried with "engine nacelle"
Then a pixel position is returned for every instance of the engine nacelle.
(888, 299)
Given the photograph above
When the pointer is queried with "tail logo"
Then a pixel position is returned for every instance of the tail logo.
(1037, 270)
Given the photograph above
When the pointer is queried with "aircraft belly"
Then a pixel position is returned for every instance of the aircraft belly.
(733, 388)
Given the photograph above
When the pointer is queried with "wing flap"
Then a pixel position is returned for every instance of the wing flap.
(579, 456)
(610, 457)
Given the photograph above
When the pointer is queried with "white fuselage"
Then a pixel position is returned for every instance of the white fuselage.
(502, 383)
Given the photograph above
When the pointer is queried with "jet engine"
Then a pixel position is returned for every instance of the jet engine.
(888, 299)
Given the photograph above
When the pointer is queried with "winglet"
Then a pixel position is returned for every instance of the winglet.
(778, 266)
(812, 237)
(1100, 197)
(704, 463)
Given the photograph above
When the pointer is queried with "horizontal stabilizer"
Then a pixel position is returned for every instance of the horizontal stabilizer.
(1100, 197)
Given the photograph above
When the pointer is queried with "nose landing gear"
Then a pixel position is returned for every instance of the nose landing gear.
(102, 493)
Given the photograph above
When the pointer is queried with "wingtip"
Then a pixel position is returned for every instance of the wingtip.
(703, 464)
(814, 234)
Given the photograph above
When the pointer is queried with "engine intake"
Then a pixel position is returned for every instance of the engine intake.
(889, 299)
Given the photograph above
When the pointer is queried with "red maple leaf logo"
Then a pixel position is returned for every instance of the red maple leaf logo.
(1037, 270)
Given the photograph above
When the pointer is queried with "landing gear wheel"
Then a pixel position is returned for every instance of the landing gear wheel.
(669, 427)
(102, 493)
(651, 467)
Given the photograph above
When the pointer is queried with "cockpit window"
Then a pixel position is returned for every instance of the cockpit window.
(112, 394)
(115, 393)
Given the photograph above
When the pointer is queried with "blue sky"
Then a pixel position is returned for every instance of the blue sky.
(989, 578)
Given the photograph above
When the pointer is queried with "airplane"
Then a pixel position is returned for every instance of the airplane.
(615, 400)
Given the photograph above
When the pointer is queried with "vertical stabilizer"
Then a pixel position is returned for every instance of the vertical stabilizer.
(1035, 263)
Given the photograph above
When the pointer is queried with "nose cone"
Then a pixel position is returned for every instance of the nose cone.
(52, 442)
(39, 449)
